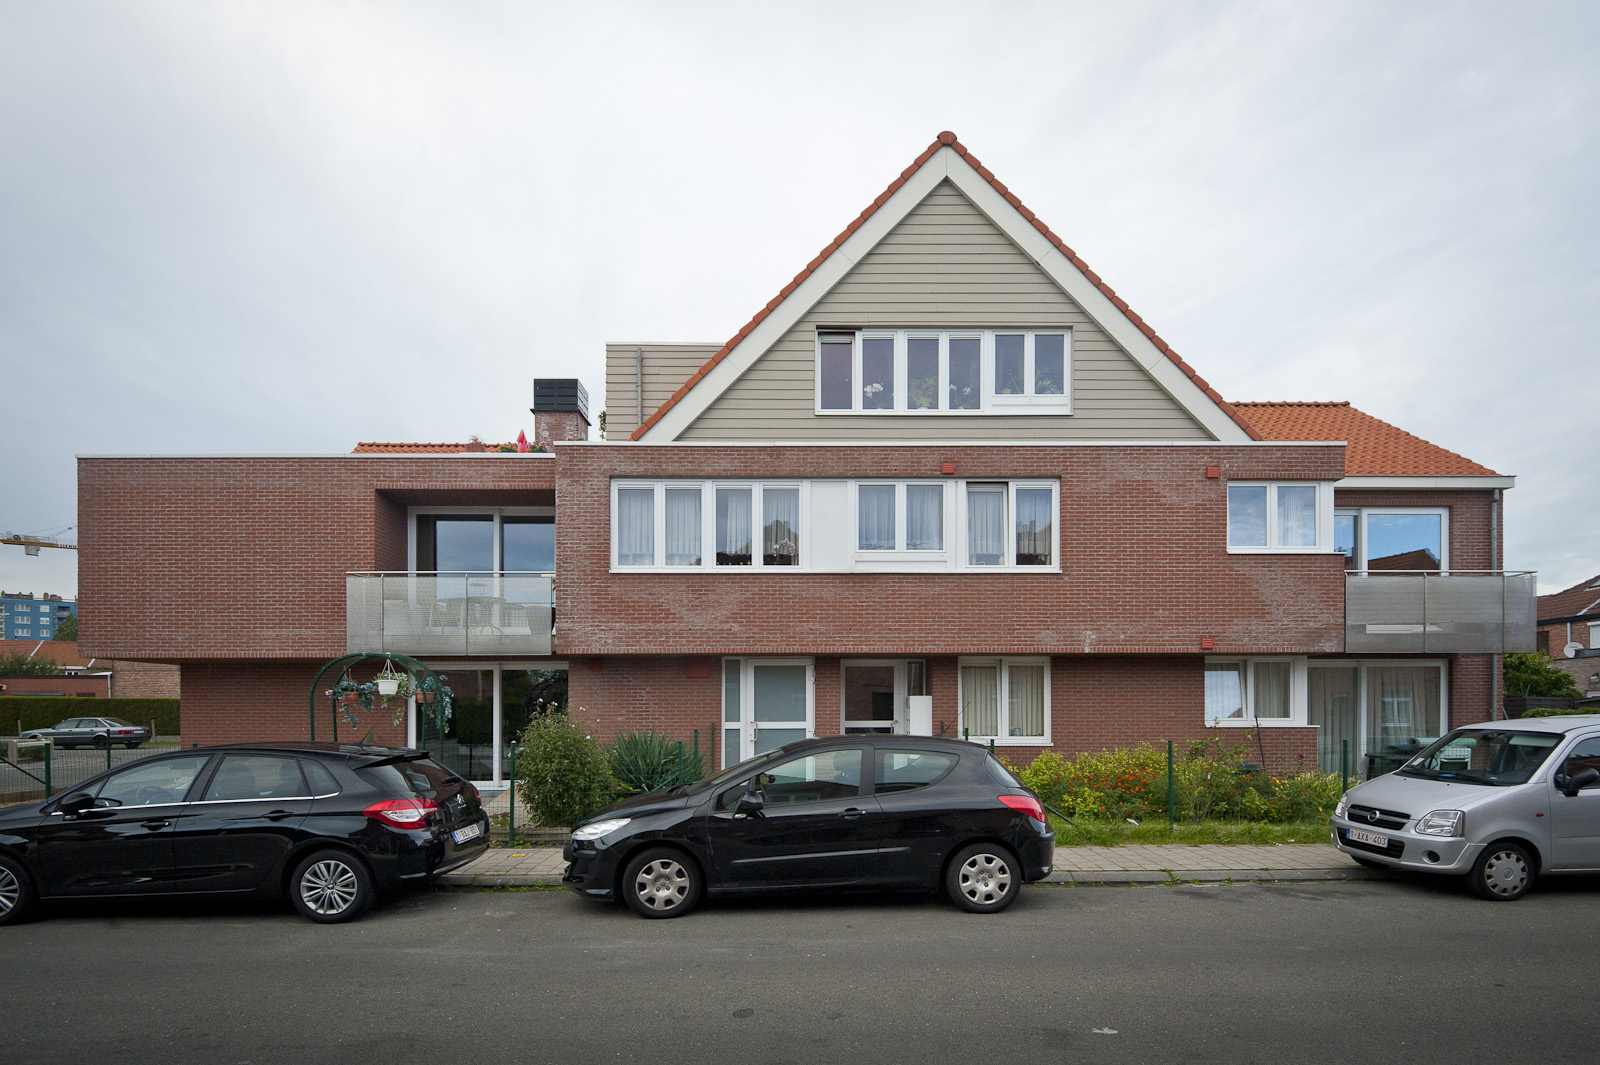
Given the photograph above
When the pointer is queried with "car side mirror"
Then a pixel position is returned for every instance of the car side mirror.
(751, 802)
(1575, 783)
(76, 804)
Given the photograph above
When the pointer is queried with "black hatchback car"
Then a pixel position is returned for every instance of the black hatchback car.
(844, 813)
(328, 825)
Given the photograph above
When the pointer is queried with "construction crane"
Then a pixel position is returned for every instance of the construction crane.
(30, 544)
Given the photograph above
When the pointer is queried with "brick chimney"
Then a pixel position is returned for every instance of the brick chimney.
(560, 409)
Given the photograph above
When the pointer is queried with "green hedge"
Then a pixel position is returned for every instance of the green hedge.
(42, 711)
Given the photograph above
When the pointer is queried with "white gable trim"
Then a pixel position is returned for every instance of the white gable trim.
(1475, 482)
(946, 163)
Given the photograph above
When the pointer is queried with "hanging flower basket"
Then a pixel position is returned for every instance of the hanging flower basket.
(350, 698)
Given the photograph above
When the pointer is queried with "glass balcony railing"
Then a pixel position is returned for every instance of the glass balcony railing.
(444, 614)
(1454, 612)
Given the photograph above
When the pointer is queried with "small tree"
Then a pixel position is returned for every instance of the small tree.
(66, 629)
(563, 773)
(1535, 674)
(18, 664)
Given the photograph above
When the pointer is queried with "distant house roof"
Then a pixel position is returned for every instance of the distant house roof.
(61, 652)
(1582, 598)
(946, 140)
(1376, 448)
(373, 448)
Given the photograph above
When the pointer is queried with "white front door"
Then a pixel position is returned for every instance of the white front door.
(766, 703)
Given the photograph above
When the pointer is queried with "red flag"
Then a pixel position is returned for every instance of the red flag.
(522, 440)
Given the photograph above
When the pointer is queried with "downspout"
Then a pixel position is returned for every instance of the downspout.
(1498, 674)
(638, 373)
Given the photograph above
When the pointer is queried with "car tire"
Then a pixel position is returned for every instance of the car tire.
(983, 878)
(331, 886)
(103, 742)
(17, 895)
(662, 882)
(1503, 873)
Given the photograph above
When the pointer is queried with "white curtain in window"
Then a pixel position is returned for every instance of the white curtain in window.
(1224, 691)
(636, 527)
(1297, 515)
(1035, 527)
(1025, 701)
(980, 700)
(925, 517)
(780, 532)
(875, 517)
(683, 526)
(733, 526)
(1402, 705)
(1271, 691)
(986, 526)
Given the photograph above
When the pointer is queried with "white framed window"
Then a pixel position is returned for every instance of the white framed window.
(24, 632)
(1010, 524)
(1274, 516)
(720, 525)
(1006, 700)
(926, 371)
(900, 517)
(1247, 692)
(766, 703)
(1393, 539)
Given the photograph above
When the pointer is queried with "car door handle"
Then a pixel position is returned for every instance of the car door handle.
(279, 815)
(852, 813)
(153, 825)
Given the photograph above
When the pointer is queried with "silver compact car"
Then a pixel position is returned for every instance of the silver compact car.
(1501, 803)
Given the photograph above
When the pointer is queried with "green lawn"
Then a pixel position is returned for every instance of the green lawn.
(1086, 833)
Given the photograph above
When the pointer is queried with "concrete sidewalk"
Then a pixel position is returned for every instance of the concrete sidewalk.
(542, 866)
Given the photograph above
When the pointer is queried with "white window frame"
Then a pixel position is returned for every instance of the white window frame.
(746, 724)
(989, 401)
(1002, 716)
(1361, 665)
(1324, 519)
(1361, 514)
(1009, 565)
(900, 552)
(708, 524)
(1297, 691)
(899, 724)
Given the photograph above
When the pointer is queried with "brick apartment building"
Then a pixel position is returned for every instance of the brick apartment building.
(946, 480)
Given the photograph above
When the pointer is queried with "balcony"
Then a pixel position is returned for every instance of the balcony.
(1455, 612)
(450, 614)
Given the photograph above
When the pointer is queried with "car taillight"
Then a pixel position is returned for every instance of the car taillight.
(1025, 804)
(402, 813)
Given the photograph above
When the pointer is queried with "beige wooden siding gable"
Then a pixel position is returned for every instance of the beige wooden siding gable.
(666, 366)
(944, 265)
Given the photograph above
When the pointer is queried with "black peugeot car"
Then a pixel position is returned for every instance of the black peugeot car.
(871, 812)
(328, 825)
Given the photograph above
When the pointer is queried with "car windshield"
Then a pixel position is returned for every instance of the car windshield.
(1499, 757)
(733, 773)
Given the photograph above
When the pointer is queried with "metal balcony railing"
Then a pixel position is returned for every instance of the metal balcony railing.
(450, 613)
(1453, 612)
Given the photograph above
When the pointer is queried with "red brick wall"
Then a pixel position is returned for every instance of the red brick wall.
(240, 702)
(1145, 564)
(59, 684)
(234, 558)
(144, 680)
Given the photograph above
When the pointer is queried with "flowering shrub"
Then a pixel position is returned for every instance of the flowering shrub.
(1210, 781)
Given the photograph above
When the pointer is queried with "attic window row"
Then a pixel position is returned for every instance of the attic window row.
(915, 371)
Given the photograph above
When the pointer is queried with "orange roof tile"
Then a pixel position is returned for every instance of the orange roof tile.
(61, 652)
(947, 139)
(1376, 448)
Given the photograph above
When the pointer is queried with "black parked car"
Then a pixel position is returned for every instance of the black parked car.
(849, 812)
(327, 825)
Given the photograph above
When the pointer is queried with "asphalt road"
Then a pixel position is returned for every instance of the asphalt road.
(1403, 970)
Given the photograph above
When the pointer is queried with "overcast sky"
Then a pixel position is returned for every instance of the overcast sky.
(286, 227)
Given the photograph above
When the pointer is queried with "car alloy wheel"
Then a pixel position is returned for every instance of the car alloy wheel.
(1502, 873)
(16, 892)
(331, 886)
(661, 883)
(982, 879)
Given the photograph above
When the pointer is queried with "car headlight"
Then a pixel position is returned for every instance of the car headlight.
(1441, 823)
(1340, 806)
(599, 828)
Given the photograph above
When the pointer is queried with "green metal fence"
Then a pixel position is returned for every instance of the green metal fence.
(36, 771)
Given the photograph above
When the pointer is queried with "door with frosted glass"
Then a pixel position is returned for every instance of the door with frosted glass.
(766, 704)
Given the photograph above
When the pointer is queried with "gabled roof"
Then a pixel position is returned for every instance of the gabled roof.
(1582, 598)
(947, 158)
(1376, 448)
